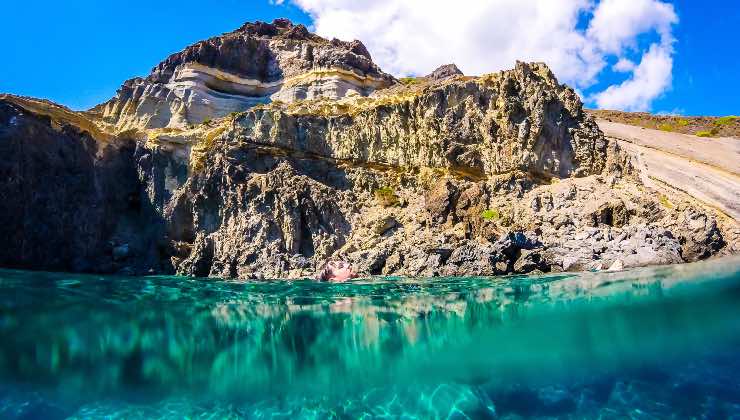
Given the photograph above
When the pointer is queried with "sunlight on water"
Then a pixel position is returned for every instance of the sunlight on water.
(644, 343)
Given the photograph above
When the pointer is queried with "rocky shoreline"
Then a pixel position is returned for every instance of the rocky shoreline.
(454, 175)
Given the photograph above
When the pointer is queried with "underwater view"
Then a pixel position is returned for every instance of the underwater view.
(657, 342)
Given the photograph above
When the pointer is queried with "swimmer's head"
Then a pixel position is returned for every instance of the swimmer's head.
(336, 271)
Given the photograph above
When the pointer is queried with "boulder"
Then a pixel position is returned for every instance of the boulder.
(384, 224)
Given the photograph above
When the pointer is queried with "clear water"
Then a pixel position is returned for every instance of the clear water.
(650, 343)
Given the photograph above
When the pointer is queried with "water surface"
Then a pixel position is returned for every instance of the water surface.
(648, 343)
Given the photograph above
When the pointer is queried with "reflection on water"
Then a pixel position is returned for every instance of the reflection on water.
(650, 342)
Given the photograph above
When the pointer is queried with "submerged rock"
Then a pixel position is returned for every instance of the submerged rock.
(121, 252)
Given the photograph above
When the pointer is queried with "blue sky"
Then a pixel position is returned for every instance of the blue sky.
(706, 73)
(78, 52)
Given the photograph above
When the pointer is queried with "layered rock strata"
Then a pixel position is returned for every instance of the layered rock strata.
(257, 63)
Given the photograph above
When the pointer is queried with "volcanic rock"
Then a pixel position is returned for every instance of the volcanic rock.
(445, 71)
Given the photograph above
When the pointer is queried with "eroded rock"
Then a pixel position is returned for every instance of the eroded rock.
(255, 64)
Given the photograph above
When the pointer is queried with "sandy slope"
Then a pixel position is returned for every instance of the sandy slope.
(706, 168)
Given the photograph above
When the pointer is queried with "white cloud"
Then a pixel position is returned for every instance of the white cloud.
(413, 37)
(649, 80)
(676, 112)
(617, 23)
(624, 65)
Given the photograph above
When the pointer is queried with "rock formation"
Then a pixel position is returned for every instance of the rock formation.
(453, 176)
(520, 119)
(445, 71)
(67, 196)
(257, 63)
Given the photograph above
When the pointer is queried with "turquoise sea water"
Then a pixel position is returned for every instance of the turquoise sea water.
(649, 343)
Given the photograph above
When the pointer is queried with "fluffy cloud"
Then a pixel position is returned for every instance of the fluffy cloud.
(624, 65)
(412, 37)
(615, 26)
(616, 23)
(649, 79)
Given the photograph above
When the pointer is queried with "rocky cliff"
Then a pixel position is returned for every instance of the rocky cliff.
(452, 175)
(68, 199)
(257, 63)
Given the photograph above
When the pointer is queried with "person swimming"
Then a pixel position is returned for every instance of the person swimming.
(336, 272)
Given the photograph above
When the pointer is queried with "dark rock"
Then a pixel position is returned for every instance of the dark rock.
(64, 195)
(530, 260)
(699, 235)
(359, 48)
(445, 71)
(613, 213)
(201, 258)
(298, 32)
(264, 29)
(514, 242)
(121, 252)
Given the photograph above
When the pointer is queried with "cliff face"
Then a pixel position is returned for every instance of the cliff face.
(515, 120)
(450, 176)
(257, 63)
(68, 201)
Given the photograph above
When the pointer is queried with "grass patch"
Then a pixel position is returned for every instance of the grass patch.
(201, 149)
(408, 81)
(708, 133)
(665, 127)
(665, 202)
(490, 214)
(386, 196)
(211, 136)
(683, 122)
(726, 120)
